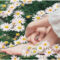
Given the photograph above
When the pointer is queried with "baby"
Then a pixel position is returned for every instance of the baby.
(45, 29)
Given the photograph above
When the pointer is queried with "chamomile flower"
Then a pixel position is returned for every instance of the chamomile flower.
(49, 10)
(49, 52)
(56, 5)
(1, 12)
(56, 47)
(36, 18)
(8, 12)
(45, 44)
(13, 1)
(19, 28)
(11, 7)
(20, 21)
(2, 45)
(40, 13)
(16, 42)
(6, 27)
(11, 45)
(40, 48)
(34, 51)
(26, 53)
(18, 13)
(23, 39)
(17, 3)
(15, 58)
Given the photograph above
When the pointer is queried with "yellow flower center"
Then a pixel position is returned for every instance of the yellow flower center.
(11, 45)
(6, 42)
(19, 27)
(14, 0)
(27, 52)
(45, 44)
(22, 4)
(29, 0)
(57, 6)
(17, 34)
(56, 47)
(19, 21)
(11, 7)
(34, 51)
(29, 47)
(15, 58)
(18, 42)
(49, 52)
(50, 9)
(14, 38)
(28, 16)
(24, 0)
(24, 38)
(58, 58)
(3, 5)
(38, 18)
(0, 11)
(3, 46)
(6, 26)
(40, 48)
(17, 13)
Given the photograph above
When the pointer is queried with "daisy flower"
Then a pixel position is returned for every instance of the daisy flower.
(56, 47)
(8, 12)
(11, 7)
(45, 44)
(49, 52)
(34, 51)
(1, 12)
(2, 45)
(11, 45)
(20, 20)
(17, 3)
(13, 1)
(23, 39)
(6, 27)
(49, 10)
(15, 58)
(26, 53)
(18, 13)
(36, 18)
(56, 5)
(40, 48)
(40, 13)
(19, 28)
(17, 42)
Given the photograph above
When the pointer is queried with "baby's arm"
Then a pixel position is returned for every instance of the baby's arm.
(54, 20)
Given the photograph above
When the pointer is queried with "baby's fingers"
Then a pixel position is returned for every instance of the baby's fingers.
(41, 36)
(32, 38)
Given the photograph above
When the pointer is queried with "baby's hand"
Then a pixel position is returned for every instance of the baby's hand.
(38, 35)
